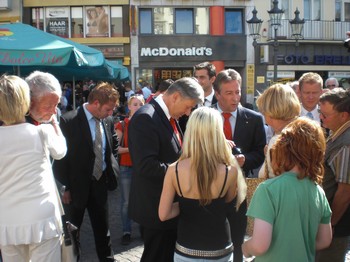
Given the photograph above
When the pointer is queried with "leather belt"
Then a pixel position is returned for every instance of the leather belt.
(204, 253)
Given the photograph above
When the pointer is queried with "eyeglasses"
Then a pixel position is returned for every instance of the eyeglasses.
(325, 116)
(328, 86)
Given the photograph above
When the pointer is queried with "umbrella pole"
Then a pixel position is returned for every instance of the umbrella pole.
(74, 106)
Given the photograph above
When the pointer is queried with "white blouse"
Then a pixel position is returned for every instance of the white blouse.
(29, 211)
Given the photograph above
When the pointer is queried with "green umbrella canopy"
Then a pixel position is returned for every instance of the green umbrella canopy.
(24, 45)
(24, 49)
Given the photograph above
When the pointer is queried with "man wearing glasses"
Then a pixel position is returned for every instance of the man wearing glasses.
(335, 115)
(331, 83)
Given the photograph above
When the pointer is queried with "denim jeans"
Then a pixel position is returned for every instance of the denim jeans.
(125, 183)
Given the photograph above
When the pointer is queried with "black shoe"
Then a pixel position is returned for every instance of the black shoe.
(126, 239)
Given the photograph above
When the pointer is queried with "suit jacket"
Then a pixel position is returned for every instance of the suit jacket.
(153, 145)
(75, 169)
(249, 135)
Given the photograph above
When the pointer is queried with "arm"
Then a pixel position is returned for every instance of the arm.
(121, 150)
(149, 148)
(340, 202)
(341, 198)
(232, 185)
(260, 242)
(324, 236)
(254, 157)
(55, 141)
(167, 208)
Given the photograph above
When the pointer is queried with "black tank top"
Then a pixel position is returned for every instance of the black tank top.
(203, 227)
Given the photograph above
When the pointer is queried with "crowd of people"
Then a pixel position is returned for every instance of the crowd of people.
(181, 156)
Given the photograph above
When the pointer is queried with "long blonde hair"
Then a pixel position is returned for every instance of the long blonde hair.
(206, 147)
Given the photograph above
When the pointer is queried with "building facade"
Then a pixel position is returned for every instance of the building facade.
(162, 39)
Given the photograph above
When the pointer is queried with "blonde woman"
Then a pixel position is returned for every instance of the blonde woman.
(30, 220)
(291, 212)
(134, 103)
(205, 178)
(280, 105)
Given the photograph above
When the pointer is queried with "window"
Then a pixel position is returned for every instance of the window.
(347, 12)
(163, 21)
(116, 21)
(38, 18)
(184, 21)
(146, 21)
(168, 21)
(284, 5)
(312, 9)
(202, 21)
(77, 22)
(337, 15)
(233, 21)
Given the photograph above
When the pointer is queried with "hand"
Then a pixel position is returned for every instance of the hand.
(240, 159)
(230, 143)
(66, 198)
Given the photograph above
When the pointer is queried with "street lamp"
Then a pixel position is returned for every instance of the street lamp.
(275, 14)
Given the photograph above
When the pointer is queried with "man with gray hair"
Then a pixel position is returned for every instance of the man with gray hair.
(154, 143)
(331, 83)
(45, 92)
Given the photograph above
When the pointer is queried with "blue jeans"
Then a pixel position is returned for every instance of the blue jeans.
(125, 184)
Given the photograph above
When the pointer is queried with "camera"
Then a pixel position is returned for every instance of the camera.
(236, 150)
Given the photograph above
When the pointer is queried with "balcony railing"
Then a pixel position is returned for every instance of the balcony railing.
(314, 30)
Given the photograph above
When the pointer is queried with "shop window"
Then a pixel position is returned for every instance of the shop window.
(146, 21)
(116, 21)
(184, 21)
(233, 21)
(77, 28)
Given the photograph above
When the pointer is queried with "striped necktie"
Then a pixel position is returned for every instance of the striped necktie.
(98, 165)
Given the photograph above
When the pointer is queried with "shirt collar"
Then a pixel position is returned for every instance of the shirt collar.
(210, 97)
(160, 101)
(89, 116)
(234, 113)
(340, 131)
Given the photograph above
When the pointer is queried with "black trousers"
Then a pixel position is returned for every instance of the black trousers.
(159, 245)
(97, 207)
(238, 225)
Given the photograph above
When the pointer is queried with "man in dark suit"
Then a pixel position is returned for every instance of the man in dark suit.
(154, 144)
(85, 179)
(205, 73)
(248, 135)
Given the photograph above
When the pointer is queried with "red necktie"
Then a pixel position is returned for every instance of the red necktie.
(227, 126)
(176, 131)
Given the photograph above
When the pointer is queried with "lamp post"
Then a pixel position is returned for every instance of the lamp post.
(275, 14)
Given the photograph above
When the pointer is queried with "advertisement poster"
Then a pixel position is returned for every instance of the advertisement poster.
(97, 21)
(58, 26)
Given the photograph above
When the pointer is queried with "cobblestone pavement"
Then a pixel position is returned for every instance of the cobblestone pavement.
(130, 253)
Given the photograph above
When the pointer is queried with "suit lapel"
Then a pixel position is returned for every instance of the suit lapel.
(85, 128)
(241, 123)
(166, 122)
